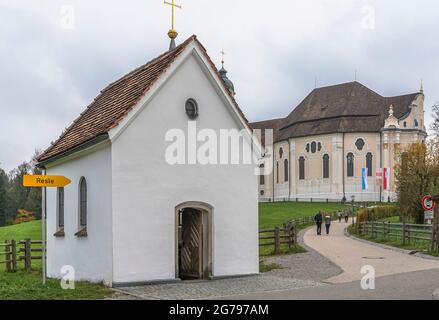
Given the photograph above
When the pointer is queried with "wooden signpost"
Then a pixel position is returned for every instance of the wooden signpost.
(44, 182)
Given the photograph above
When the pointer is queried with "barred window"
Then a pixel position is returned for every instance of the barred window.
(350, 164)
(60, 208)
(286, 170)
(326, 166)
(302, 168)
(369, 164)
(83, 203)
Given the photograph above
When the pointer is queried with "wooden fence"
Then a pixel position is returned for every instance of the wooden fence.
(405, 232)
(24, 251)
(278, 236)
(286, 234)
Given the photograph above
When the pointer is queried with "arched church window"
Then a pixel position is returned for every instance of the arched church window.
(302, 168)
(313, 147)
(262, 176)
(405, 124)
(350, 164)
(277, 172)
(281, 153)
(60, 208)
(319, 146)
(307, 147)
(82, 208)
(326, 166)
(286, 170)
(369, 164)
(360, 144)
(416, 123)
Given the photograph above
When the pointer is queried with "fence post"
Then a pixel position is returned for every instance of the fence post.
(14, 255)
(27, 255)
(277, 240)
(8, 255)
(403, 233)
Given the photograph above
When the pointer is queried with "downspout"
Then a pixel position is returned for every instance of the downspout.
(289, 170)
(343, 170)
(381, 167)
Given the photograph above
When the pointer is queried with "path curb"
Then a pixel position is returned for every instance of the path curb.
(391, 248)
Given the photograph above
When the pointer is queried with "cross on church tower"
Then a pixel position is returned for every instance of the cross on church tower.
(222, 57)
(172, 33)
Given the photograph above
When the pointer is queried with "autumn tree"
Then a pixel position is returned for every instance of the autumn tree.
(435, 115)
(417, 174)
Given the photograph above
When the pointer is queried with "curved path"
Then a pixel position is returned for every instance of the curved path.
(351, 255)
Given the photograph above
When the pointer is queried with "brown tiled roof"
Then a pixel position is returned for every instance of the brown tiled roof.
(116, 101)
(348, 107)
(266, 125)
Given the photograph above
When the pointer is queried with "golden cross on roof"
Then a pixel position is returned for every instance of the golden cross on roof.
(172, 33)
(222, 57)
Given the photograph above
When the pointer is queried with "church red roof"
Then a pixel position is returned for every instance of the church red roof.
(116, 101)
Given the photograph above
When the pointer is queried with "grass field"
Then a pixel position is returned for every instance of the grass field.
(27, 286)
(275, 214)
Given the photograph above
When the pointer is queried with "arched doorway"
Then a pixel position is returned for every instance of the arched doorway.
(193, 245)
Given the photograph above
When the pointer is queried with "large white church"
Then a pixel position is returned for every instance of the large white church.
(129, 216)
(321, 147)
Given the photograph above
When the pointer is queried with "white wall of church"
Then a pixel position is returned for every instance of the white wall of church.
(146, 189)
(91, 257)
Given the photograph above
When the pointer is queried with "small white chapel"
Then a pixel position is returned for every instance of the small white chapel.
(131, 217)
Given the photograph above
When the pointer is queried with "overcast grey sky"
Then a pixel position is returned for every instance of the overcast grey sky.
(56, 55)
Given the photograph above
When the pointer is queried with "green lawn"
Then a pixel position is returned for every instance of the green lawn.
(276, 214)
(22, 231)
(27, 286)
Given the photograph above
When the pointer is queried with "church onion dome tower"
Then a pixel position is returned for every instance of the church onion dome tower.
(223, 74)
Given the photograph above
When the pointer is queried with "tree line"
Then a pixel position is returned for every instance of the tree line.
(15, 197)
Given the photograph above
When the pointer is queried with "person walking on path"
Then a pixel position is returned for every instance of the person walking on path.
(319, 220)
(328, 221)
(346, 216)
(340, 216)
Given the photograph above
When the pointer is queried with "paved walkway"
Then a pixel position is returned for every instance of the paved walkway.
(351, 255)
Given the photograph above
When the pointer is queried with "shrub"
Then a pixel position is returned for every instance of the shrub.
(377, 213)
(24, 216)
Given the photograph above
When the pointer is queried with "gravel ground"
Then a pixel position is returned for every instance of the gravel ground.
(193, 290)
(305, 266)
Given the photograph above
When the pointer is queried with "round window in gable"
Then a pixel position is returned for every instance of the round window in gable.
(360, 144)
(191, 109)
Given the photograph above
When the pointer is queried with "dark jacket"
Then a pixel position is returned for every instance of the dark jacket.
(318, 218)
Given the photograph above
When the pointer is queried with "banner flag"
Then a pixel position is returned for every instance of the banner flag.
(364, 178)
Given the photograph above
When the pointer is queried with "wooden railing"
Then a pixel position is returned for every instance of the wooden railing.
(278, 236)
(406, 233)
(21, 251)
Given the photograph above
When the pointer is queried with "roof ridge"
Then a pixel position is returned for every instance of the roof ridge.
(150, 62)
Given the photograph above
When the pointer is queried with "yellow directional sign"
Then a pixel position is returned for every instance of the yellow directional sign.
(45, 181)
